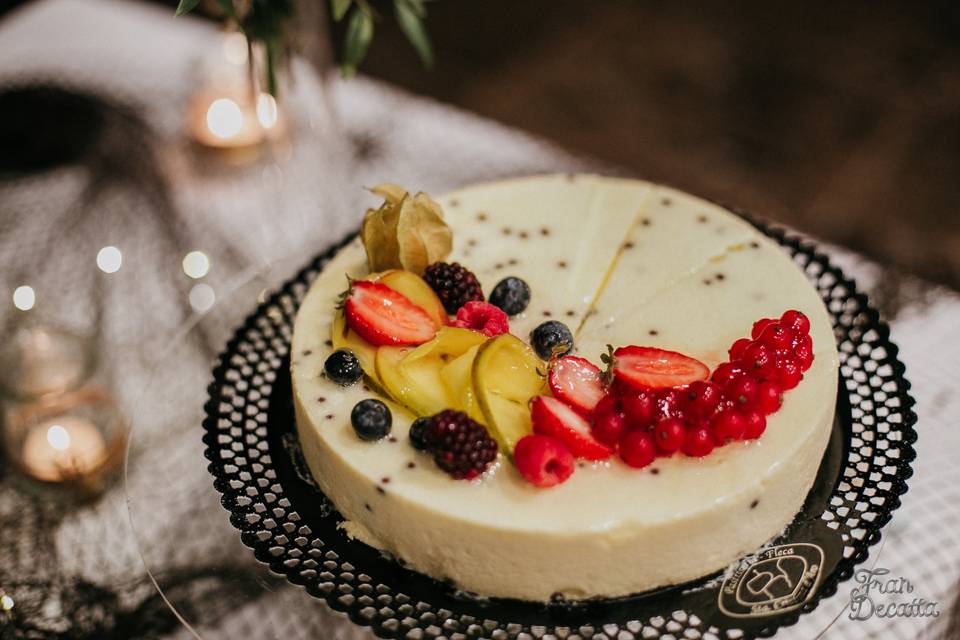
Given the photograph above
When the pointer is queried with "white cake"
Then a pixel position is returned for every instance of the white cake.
(620, 262)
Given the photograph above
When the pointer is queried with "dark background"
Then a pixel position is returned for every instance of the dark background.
(840, 118)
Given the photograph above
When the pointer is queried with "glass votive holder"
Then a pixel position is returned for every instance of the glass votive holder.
(61, 431)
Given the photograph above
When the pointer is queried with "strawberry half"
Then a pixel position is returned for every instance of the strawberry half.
(651, 368)
(577, 382)
(552, 417)
(382, 316)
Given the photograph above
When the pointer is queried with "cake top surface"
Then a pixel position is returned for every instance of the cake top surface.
(619, 262)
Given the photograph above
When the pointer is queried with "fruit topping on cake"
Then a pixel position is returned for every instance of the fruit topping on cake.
(479, 391)
(454, 284)
(551, 339)
(383, 316)
(512, 295)
(460, 445)
(576, 381)
(489, 320)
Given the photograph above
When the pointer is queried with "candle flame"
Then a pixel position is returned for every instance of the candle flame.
(224, 118)
(58, 437)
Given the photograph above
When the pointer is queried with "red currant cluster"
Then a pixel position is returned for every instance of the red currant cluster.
(732, 405)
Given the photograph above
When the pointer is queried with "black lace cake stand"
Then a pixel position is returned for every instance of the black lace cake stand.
(290, 525)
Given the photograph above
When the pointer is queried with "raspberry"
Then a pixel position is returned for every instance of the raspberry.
(759, 326)
(543, 461)
(669, 435)
(609, 426)
(744, 391)
(736, 351)
(796, 321)
(639, 406)
(637, 449)
(698, 442)
(755, 423)
(728, 426)
(769, 398)
(454, 284)
(702, 398)
(460, 445)
(489, 320)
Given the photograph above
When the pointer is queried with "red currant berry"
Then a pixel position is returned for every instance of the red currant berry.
(759, 326)
(777, 336)
(728, 426)
(743, 391)
(637, 449)
(789, 373)
(639, 408)
(669, 404)
(726, 372)
(702, 398)
(610, 403)
(736, 351)
(609, 426)
(756, 424)
(668, 435)
(758, 361)
(698, 442)
(769, 398)
(796, 321)
(726, 404)
(803, 350)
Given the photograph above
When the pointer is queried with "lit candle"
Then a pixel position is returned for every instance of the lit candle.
(231, 120)
(63, 448)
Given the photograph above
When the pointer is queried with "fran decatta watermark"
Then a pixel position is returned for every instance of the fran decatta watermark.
(878, 594)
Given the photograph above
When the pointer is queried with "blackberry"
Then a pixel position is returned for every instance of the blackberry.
(418, 433)
(343, 367)
(552, 338)
(454, 284)
(511, 294)
(371, 419)
(460, 445)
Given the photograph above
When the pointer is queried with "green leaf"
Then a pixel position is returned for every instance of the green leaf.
(186, 6)
(340, 8)
(356, 41)
(411, 24)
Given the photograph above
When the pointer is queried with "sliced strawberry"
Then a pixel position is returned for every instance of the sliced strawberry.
(577, 382)
(651, 368)
(382, 316)
(554, 418)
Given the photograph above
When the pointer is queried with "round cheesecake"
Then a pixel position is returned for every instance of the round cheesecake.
(620, 262)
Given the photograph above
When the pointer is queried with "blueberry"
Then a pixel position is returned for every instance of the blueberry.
(552, 338)
(343, 367)
(418, 433)
(371, 419)
(511, 294)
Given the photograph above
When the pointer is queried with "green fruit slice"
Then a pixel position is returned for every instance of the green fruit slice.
(507, 374)
(344, 338)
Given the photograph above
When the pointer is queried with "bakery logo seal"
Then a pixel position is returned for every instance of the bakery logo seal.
(876, 595)
(774, 581)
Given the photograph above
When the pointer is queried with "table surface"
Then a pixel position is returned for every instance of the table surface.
(83, 564)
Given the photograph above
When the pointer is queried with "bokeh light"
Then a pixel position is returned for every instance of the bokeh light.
(202, 297)
(109, 259)
(196, 264)
(224, 118)
(24, 297)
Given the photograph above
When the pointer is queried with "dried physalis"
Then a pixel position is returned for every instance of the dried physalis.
(406, 232)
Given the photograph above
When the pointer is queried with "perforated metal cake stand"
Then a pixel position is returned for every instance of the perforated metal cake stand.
(289, 558)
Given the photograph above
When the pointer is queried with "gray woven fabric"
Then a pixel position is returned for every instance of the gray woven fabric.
(257, 224)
